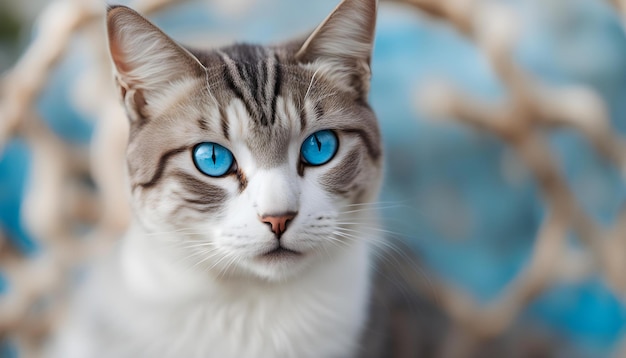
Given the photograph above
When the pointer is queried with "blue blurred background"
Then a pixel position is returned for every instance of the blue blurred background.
(462, 199)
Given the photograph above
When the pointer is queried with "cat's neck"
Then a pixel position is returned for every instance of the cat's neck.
(154, 272)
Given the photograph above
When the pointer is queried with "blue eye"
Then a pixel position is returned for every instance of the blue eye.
(320, 147)
(212, 159)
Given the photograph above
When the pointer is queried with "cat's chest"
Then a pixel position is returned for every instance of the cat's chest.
(311, 319)
(251, 329)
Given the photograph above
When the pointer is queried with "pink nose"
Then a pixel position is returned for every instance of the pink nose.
(278, 223)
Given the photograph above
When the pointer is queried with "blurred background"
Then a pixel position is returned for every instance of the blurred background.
(504, 163)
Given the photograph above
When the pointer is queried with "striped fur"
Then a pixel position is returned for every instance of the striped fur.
(192, 278)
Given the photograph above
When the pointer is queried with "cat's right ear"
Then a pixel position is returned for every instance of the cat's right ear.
(148, 63)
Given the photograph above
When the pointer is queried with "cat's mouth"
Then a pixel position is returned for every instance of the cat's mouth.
(281, 252)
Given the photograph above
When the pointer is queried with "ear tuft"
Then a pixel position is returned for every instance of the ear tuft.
(143, 55)
(344, 39)
(146, 59)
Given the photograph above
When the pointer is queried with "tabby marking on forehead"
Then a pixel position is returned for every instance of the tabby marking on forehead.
(224, 122)
(254, 76)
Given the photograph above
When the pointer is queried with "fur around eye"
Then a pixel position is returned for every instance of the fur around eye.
(320, 147)
(212, 159)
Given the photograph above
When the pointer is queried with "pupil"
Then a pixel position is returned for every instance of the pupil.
(213, 154)
(319, 144)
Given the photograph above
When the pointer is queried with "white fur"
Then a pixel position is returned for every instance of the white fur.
(171, 311)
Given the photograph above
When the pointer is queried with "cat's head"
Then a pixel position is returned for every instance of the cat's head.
(254, 160)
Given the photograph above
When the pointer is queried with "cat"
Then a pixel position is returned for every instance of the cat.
(252, 170)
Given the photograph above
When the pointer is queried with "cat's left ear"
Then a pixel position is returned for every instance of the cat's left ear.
(342, 44)
(149, 64)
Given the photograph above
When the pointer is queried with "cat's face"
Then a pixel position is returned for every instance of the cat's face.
(253, 160)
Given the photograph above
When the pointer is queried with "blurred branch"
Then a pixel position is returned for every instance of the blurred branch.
(22, 83)
(53, 207)
(455, 11)
(59, 21)
(620, 6)
(519, 120)
(488, 320)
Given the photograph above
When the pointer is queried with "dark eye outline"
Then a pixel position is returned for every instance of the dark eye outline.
(307, 163)
(230, 170)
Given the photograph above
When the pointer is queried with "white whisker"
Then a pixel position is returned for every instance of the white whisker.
(310, 85)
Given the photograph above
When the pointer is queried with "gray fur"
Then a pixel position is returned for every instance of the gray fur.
(261, 77)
